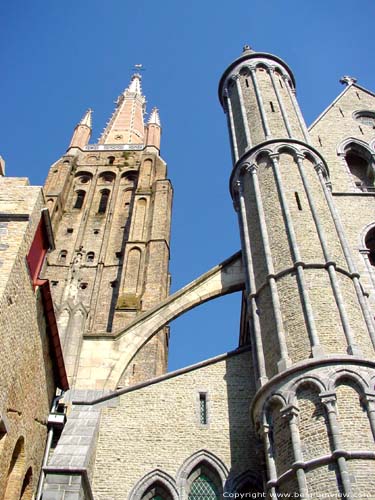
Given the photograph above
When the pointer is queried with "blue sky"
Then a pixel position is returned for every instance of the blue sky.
(59, 58)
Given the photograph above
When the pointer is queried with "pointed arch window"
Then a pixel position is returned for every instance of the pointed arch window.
(203, 488)
(103, 201)
(79, 199)
(361, 166)
(157, 492)
(204, 483)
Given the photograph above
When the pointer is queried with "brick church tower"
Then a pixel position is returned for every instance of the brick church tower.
(110, 205)
(310, 325)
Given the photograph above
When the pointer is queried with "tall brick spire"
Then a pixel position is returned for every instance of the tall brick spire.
(126, 125)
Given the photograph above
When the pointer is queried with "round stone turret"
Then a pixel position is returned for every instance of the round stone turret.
(309, 322)
(257, 92)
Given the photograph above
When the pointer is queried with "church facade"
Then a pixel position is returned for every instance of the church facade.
(291, 411)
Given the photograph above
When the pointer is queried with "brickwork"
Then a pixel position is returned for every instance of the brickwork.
(173, 432)
(27, 380)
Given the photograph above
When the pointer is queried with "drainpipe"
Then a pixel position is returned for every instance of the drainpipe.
(55, 421)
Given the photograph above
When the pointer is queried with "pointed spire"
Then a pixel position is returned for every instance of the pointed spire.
(87, 119)
(126, 125)
(135, 84)
(82, 132)
(154, 117)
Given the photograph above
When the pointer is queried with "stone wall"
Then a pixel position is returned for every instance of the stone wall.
(158, 428)
(27, 380)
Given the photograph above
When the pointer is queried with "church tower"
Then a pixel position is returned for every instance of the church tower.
(310, 327)
(110, 205)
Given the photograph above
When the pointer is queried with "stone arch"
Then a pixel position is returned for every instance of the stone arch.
(313, 380)
(83, 177)
(289, 150)
(201, 462)
(347, 374)
(106, 177)
(365, 231)
(261, 65)
(15, 471)
(359, 161)
(264, 153)
(156, 478)
(129, 177)
(227, 277)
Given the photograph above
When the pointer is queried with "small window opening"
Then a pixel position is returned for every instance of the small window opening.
(341, 111)
(80, 199)
(96, 231)
(118, 255)
(83, 286)
(299, 205)
(111, 160)
(203, 407)
(320, 141)
(114, 284)
(69, 230)
(90, 257)
(272, 107)
(54, 283)
(281, 83)
(62, 256)
(103, 201)
(133, 370)
(247, 82)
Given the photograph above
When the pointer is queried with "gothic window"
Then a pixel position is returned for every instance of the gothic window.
(79, 199)
(62, 256)
(370, 245)
(103, 201)
(90, 257)
(203, 488)
(361, 167)
(157, 492)
(204, 483)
